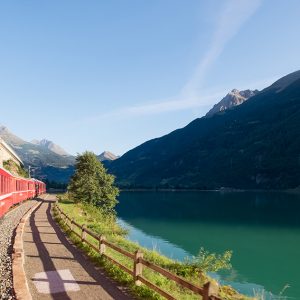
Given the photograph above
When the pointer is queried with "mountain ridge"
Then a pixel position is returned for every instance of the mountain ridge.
(47, 159)
(107, 156)
(51, 146)
(244, 147)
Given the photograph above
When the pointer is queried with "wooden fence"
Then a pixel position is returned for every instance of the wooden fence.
(207, 292)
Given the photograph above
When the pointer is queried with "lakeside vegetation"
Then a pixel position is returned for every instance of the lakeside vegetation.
(91, 199)
(193, 270)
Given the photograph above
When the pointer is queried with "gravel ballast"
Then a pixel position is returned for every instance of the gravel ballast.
(7, 226)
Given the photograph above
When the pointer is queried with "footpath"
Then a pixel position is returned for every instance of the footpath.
(57, 270)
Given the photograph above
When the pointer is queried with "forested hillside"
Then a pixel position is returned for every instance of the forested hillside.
(255, 145)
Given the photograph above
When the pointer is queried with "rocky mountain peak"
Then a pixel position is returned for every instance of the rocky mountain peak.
(233, 98)
(234, 91)
(51, 146)
(106, 155)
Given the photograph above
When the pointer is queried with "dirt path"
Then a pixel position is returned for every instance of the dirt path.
(55, 269)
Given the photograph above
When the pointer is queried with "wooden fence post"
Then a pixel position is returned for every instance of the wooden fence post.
(102, 246)
(138, 266)
(209, 289)
(66, 219)
(59, 213)
(72, 224)
(83, 233)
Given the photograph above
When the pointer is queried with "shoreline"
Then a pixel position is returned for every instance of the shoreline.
(225, 190)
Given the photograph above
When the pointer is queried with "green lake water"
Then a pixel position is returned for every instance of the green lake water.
(262, 230)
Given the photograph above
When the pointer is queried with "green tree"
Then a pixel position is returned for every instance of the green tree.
(92, 184)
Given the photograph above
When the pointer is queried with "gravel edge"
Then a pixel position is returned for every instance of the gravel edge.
(8, 223)
(20, 284)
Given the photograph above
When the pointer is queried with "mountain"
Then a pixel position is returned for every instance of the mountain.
(232, 99)
(255, 145)
(46, 159)
(107, 156)
(285, 81)
(51, 146)
(45, 163)
(10, 138)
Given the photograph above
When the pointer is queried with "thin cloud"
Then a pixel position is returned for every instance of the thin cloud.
(164, 106)
(232, 16)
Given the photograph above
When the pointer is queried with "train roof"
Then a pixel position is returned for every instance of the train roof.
(34, 179)
(19, 177)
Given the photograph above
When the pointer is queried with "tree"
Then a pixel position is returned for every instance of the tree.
(92, 184)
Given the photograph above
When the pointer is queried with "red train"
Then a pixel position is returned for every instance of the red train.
(15, 189)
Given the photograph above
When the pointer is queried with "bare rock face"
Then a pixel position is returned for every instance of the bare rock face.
(10, 138)
(234, 98)
(39, 154)
(51, 146)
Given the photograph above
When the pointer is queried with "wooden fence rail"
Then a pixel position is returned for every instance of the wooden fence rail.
(207, 292)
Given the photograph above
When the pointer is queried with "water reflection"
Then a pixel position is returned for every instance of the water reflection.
(262, 229)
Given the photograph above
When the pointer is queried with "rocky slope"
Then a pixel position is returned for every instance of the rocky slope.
(35, 154)
(107, 156)
(45, 163)
(232, 99)
(51, 146)
(47, 159)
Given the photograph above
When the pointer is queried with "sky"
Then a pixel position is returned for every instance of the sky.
(110, 75)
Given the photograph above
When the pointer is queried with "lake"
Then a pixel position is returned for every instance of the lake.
(262, 229)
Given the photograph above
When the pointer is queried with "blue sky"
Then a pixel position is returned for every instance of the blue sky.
(109, 75)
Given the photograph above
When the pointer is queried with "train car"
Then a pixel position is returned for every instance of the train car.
(6, 196)
(14, 189)
(40, 187)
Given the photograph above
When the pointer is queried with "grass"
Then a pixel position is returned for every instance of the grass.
(106, 225)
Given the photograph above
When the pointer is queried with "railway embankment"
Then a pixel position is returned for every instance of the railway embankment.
(8, 224)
